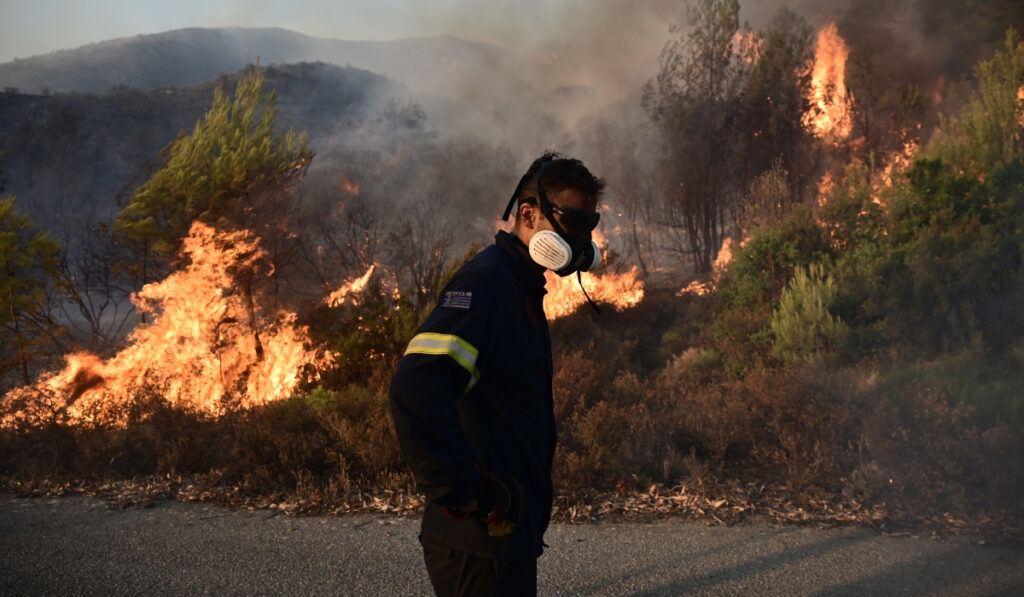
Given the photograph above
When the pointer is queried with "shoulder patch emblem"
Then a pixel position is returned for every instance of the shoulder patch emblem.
(455, 299)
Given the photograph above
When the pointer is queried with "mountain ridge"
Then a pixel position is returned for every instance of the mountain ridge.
(187, 56)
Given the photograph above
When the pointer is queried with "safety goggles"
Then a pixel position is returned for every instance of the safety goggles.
(575, 218)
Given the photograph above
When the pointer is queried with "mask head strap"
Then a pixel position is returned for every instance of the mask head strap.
(579, 219)
(531, 183)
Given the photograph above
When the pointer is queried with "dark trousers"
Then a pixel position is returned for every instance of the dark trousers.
(458, 574)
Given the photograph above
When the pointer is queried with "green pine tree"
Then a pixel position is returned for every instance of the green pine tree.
(29, 273)
(802, 325)
(221, 174)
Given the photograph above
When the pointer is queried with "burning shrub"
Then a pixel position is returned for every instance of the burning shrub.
(212, 345)
(366, 333)
(155, 438)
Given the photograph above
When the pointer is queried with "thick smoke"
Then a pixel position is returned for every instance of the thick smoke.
(565, 63)
(553, 75)
(568, 76)
(605, 51)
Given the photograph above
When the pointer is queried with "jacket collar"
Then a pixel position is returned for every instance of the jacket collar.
(531, 274)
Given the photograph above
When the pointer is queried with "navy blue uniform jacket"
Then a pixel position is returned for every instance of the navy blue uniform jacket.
(474, 389)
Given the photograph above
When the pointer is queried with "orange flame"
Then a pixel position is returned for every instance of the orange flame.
(725, 257)
(348, 186)
(564, 296)
(898, 163)
(208, 348)
(829, 116)
(825, 186)
(747, 45)
(1020, 105)
(352, 286)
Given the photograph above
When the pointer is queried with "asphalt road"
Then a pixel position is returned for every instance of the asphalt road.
(80, 546)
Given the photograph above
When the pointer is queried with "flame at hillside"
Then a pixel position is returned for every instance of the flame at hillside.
(1020, 106)
(747, 45)
(209, 347)
(897, 163)
(349, 289)
(829, 115)
(348, 186)
(726, 254)
(564, 296)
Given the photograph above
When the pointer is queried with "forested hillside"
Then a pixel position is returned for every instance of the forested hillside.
(185, 57)
(70, 156)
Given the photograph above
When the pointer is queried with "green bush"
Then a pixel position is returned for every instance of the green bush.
(987, 132)
(954, 260)
(803, 325)
(939, 436)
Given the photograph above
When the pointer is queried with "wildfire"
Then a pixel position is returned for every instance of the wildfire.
(564, 296)
(1020, 105)
(829, 116)
(725, 255)
(209, 346)
(898, 163)
(747, 45)
(353, 286)
(348, 186)
(721, 264)
(825, 186)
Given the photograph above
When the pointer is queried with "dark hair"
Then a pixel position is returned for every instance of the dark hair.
(563, 173)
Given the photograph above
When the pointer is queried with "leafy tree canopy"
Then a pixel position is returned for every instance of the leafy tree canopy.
(215, 173)
(989, 131)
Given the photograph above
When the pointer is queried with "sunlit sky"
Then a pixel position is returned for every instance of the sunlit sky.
(30, 27)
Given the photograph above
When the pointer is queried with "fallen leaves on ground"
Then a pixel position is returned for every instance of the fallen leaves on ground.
(726, 503)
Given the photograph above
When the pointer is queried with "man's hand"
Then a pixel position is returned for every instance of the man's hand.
(508, 506)
(499, 502)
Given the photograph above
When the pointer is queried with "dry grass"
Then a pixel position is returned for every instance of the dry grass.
(648, 427)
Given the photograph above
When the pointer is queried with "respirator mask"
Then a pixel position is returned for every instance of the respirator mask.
(557, 250)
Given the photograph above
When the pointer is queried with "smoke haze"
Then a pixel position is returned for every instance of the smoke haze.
(568, 59)
(549, 74)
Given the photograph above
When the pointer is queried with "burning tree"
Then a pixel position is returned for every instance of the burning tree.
(772, 136)
(693, 100)
(206, 349)
(213, 223)
(830, 116)
(233, 171)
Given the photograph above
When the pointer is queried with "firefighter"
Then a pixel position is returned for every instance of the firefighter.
(471, 398)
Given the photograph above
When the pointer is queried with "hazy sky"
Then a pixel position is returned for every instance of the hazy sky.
(30, 27)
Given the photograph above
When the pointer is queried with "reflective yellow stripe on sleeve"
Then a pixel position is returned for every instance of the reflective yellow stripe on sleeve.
(458, 349)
